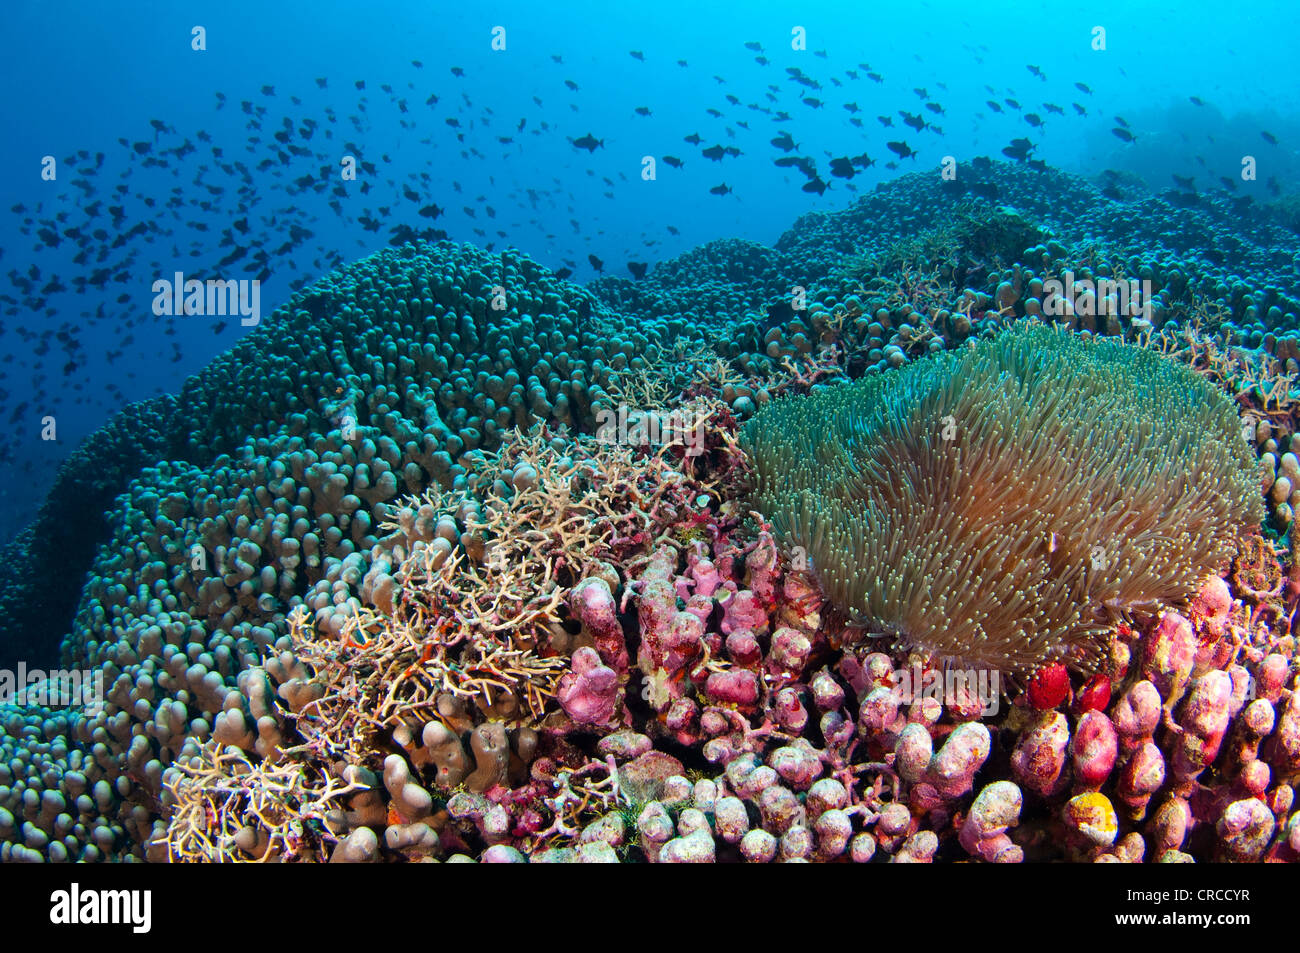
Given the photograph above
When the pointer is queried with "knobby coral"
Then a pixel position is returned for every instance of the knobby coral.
(1001, 506)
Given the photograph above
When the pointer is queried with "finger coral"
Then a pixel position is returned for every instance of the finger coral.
(1001, 505)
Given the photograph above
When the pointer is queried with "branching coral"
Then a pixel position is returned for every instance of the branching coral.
(226, 808)
(480, 620)
(1001, 506)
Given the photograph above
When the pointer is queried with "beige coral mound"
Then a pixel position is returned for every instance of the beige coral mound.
(999, 506)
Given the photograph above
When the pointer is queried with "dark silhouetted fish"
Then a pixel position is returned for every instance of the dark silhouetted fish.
(722, 189)
(843, 168)
(1019, 149)
(902, 150)
(588, 142)
(785, 142)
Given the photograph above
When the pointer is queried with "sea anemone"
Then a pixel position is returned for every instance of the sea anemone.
(1001, 506)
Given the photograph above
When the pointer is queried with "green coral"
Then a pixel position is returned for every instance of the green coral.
(1000, 506)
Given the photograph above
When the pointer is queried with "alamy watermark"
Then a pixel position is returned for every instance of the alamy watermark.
(1068, 297)
(178, 295)
(950, 687)
(57, 688)
(638, 428)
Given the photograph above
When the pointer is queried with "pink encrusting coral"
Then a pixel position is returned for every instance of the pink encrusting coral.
(809, 750)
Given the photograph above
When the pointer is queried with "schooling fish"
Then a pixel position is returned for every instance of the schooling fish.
(1019, 149)
(588, 142)
(902, 150)
(785, 142)
(916, 122)
(843, 168)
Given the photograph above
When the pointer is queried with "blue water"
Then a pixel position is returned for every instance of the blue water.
(84, 76)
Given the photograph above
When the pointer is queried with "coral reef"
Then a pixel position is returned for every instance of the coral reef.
(413, 573)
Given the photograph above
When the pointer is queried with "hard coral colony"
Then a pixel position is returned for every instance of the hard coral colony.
(393, 598)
